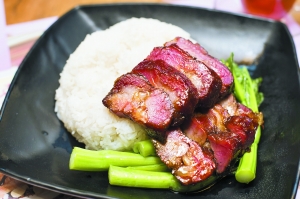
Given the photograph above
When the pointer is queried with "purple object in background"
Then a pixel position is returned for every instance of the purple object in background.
(4, 49)
(38, 25)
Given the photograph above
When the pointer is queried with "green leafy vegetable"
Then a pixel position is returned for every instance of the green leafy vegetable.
(247, 92)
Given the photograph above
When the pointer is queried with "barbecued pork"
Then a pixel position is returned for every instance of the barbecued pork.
(206, 81)
(209, 142)
(197, 51)
(134, 97)
(180, 89)
(164, 89)
(184, 79)
(189, 162)
(229, 127)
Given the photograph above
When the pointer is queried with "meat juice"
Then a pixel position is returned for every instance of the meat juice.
(275, 9)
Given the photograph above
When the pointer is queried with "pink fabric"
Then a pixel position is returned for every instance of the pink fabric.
(30, 26)
(4, 50)
(19, 52)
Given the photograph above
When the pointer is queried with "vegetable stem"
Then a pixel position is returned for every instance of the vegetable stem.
(131, 177)
(145, 148)
(88, 160)
(246, 171)
(154, 167)
(140, 178)
(246, 91)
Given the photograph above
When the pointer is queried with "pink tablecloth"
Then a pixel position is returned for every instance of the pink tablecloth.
(22, 36)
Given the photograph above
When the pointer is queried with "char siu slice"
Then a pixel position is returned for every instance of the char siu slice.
(229, 127)
(180, 89)
(200, 125)
(225, 145)
(243, 126)
(197, 51)
(206, 81)
(132, 96)
(238, 138)
(235, 108)
(189, 162)
(244, 122)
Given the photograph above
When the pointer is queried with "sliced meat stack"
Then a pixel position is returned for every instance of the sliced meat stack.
(188, 82)
(163, 92)
(227, 129)
(209, 143)
(199, 53)
(207, 82)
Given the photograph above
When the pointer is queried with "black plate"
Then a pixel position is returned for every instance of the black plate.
(35, 147)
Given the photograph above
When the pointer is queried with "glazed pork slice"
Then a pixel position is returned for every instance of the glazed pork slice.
(206, 81)
(189, 162)
(237, 139)
(132, 96)
(197, 51)
(229, 128)
(225, 146)
(209, 129)
(235, 108)
(180, 89)
(200, 125)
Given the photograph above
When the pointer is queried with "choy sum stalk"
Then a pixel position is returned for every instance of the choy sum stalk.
(88, 160)
(247, 92)
(145, 148)
(131, 177)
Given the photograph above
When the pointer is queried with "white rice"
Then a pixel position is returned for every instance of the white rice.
(89, 75)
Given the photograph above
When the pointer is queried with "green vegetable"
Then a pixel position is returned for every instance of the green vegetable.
(153, 167)
(131, 177)
(247, 92)
(145, 148)
(88, 160)
(132, 170)
(144, 169)
(140, 178)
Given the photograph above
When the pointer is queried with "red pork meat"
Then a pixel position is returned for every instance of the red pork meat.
(180, 89)
(197, 51)
(206, 81)
(189, 162)
(134, 97)
(229, 128)
(162, 93)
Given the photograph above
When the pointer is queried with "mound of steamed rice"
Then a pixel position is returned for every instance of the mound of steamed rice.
(90, 72)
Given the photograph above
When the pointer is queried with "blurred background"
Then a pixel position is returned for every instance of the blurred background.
(23, 21)
(26, 10)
